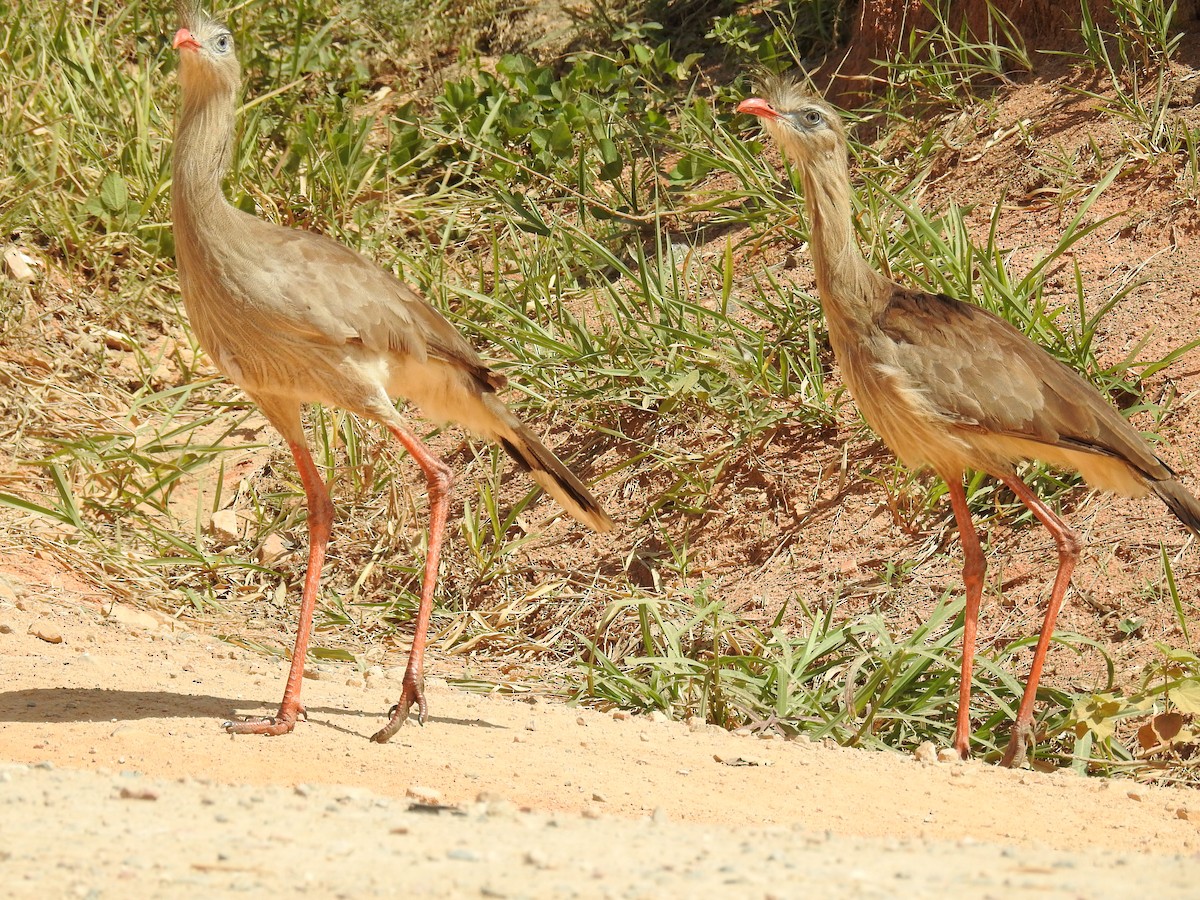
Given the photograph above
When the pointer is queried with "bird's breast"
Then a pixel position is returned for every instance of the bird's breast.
(898, 408)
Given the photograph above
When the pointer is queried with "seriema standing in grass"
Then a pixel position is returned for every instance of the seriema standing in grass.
(294, 317)
(950, 386)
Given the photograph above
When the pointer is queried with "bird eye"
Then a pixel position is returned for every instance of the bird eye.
(223, 42)
(811, 117)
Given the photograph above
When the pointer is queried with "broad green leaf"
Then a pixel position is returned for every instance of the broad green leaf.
(1186, 695)
(113, 192)
(613, 164)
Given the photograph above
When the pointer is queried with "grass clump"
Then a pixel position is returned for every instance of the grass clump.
(940, 66)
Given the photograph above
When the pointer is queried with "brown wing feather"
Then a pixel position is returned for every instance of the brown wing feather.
(983, 374)
(353, 300)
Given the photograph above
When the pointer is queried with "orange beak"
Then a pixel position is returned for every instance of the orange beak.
(756, 106)
(184, 40)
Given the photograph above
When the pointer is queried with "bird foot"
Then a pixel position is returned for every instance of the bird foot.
(1018, 745)
(272, 726)
(414, 692)
(962, 743)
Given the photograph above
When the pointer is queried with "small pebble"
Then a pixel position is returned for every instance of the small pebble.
(428, 796)
(19, 265)
(925, 753)
(272, 548)
(138, 794)
(225, 525)
(118, 340)
(45, 632)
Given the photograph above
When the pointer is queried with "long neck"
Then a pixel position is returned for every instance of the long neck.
(851, 291)
(201, 157)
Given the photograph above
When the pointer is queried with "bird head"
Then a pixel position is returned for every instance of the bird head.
(207, 60)
(806, 128)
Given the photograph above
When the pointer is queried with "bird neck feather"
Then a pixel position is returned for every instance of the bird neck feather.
(849, 288)
(201, 156)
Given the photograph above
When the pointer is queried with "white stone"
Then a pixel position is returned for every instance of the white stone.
(225, 525)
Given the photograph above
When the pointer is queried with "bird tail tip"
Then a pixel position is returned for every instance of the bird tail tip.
(1180, 501)
(560, 482)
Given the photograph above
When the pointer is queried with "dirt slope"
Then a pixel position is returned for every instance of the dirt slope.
(123, 773)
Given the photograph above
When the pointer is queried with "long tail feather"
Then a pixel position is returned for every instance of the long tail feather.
(1179, 501)
(545, 468)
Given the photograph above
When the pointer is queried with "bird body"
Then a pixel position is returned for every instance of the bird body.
(268, 324)
(948, 385)
(295, 317)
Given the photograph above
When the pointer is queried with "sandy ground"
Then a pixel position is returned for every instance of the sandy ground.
(114, 773)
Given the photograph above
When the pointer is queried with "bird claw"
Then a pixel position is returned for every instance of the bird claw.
(414, 692)
(1017, 750)
(272, 726)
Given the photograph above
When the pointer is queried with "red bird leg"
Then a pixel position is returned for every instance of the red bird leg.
(440, 480)
(974, 565)
(1068, 554)
(320, 523)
